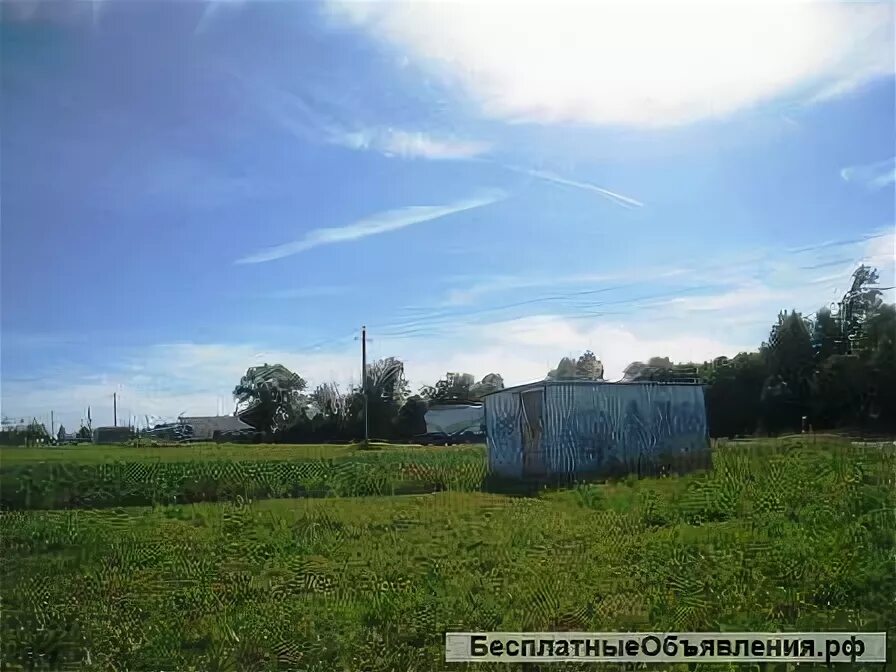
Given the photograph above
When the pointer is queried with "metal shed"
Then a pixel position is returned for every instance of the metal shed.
(567, 428)
(204, 427)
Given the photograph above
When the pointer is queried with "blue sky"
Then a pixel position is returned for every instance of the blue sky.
(189, 189)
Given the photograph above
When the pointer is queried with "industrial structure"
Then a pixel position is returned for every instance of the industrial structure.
(572, 428)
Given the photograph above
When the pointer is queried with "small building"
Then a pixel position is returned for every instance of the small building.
(204, 427)
(112, 434)
(572, 428)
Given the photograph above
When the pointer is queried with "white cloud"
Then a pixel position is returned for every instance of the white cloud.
(471, 289)
(881, 249)
(194, 378)
(307, 292)
(198, 379)
(213, 9)
(310, 117)
(619, 199)
(482, 287)
(751, 294)
(751, 278)
(410, 145)
(872, 175)
(636, 63)
(382, 222)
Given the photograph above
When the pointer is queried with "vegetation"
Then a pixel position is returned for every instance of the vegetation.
(109, 453)
(779, 536)
(834, 370)
(213, 474)
(32, 434)
(274, 556)
(831, 370)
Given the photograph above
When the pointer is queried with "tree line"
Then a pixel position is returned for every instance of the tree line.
(833, 369)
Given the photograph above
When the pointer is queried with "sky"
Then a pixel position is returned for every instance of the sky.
(193, 188)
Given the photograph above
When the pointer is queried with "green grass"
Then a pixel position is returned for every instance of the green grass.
(777, 537)
(102, 454)
(204, 473)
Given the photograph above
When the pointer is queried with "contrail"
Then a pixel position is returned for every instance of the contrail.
(619, 199)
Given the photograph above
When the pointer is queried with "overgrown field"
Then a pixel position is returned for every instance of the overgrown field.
(777, 537)
(187, 452)
(130, 476)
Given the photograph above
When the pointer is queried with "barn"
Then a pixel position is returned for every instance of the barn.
(572, 428)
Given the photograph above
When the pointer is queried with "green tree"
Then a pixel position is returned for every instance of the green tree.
(327, 415)
(491, 382)
(841, 392)
(60, 435)
(788, 351)
(861, 301)
(36, 433)
(733, 393)
(656, 368)
(84, 433)
(270, 397)
(826, 336)
(589, 367)
(877, 350)
(411, 420)
(386, 381)
(566, 370)
(387, 390)
(453, 387)
(790, 361)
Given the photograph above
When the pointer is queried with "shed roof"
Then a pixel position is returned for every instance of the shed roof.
(220, 422)
(590, 383)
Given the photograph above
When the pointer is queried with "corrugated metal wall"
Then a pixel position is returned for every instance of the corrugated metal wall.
(592, 427)
(503, 432)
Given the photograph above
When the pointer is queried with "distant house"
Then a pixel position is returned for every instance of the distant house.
(204, 428)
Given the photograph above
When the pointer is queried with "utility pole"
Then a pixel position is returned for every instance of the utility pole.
(52, 426)
(115, 409)
(364, 381)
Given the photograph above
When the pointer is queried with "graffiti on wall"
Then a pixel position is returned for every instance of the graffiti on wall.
(588, 426)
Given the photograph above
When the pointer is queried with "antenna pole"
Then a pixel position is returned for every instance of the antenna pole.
(364, 381)
(115, 409)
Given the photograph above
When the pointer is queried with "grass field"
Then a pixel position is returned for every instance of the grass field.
(103, 454)
(100, 476)
(778, 536)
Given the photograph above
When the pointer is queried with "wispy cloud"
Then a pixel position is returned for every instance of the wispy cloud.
(742, 287)
(213, 9)
(410, 145)
(635, 64)
(619, 199)
(482, 287)
(308, 292)
(383, 222)
(167, 379)
(478, 288)
(315, 117)
(750, 294)
(872, 175)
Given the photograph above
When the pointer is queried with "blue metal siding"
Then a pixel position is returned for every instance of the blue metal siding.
(504, 438)
(587, 427)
